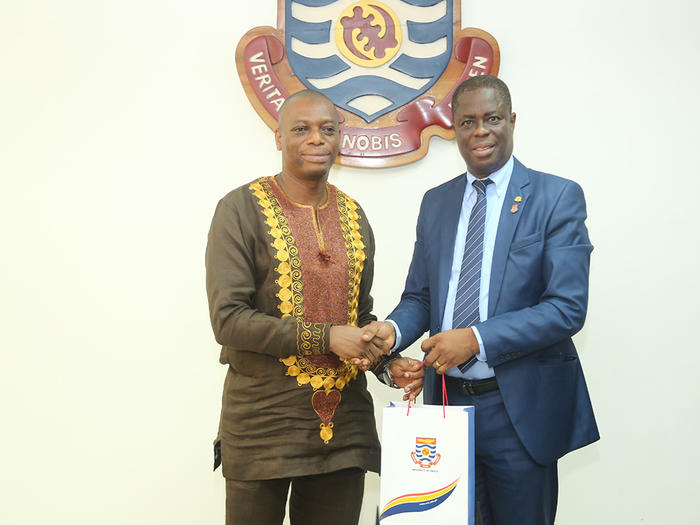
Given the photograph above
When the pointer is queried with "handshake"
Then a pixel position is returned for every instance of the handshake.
(365, 347)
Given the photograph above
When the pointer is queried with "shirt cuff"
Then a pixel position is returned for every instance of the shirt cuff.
(481, 356)
(313, 337)
(397, 343)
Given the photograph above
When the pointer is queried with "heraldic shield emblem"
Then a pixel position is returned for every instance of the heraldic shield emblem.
(389, 66)
(425, 455)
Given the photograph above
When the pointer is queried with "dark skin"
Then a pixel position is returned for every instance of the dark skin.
(407, 373)
(484, 130)
(309, 138)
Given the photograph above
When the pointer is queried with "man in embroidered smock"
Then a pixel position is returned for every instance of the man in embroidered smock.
(289, 269)
(499, 277)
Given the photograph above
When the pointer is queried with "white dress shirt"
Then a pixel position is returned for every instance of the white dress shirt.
(495, 195)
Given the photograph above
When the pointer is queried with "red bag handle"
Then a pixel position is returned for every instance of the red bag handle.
(445, 401)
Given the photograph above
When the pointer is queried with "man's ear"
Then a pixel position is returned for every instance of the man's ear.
(278, 139)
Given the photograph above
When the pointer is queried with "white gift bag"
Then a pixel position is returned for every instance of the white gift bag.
(427, 473)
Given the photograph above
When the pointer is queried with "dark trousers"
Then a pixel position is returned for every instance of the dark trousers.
(335, 498)
(511, 489)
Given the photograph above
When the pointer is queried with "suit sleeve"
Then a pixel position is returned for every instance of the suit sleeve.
(561, 310)
(231, 290)
(412, 314)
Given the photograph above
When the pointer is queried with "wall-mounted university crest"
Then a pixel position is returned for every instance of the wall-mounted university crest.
(389, 66)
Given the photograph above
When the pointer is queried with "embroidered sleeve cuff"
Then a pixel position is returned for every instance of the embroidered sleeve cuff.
(313, 338)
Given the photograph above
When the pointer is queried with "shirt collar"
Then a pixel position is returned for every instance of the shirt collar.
(500, 178)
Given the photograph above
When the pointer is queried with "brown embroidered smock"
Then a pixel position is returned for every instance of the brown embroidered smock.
(279, 274)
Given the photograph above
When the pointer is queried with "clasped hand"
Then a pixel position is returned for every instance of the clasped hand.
(449, 349)
(361, 346)
(365, 346)
(407, 373)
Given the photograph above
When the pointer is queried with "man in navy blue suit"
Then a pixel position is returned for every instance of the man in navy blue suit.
(499, 277)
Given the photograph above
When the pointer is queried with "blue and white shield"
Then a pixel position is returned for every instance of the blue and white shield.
(369, 57)
(426, 450)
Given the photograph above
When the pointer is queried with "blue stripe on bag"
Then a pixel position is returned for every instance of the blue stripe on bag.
(418, 502)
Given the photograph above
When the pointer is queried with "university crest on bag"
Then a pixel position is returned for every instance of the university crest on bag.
(425, 455)
(389, 66)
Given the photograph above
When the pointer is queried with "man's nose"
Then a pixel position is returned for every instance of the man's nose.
(315, 136)
(481, 128)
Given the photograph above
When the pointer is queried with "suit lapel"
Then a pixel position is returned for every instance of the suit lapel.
(518, 187)
(451, 207)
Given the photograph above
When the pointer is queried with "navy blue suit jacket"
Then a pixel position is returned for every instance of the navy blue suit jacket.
(538, 295)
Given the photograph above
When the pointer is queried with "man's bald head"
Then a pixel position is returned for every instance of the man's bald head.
(304, 94)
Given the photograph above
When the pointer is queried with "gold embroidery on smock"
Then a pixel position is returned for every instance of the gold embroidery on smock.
(310, 336)
(355, 250)
(314, 213)
(289, 263)
(326, 381)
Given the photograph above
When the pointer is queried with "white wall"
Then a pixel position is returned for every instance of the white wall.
(122, 123)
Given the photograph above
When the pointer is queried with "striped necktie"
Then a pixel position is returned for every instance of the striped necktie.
(466, 311)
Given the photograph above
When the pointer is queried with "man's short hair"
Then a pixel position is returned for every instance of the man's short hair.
(483, 81)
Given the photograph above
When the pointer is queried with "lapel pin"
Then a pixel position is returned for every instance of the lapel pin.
(518, 199)
(514, 209)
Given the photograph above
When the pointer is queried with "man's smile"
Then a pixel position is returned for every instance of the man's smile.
(319, 157)
(483, 150)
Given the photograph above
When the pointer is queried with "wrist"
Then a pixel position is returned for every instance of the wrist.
(387, 376)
